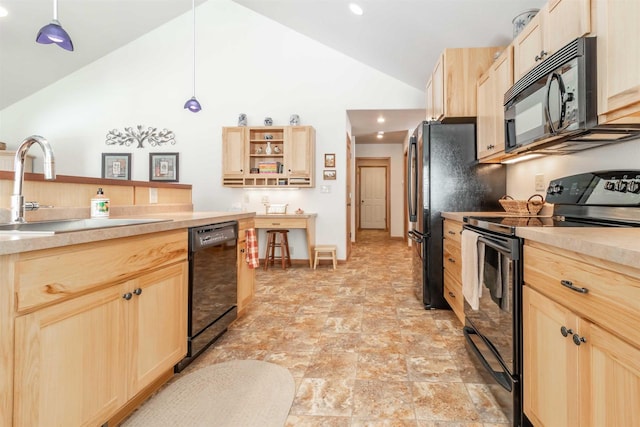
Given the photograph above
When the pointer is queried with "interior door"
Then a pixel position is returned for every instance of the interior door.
(349, 196)
(373, 198)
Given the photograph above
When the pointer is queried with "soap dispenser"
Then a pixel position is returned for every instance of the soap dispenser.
(100, 205)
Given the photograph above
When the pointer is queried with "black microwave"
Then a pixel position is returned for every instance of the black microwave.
(553, 109)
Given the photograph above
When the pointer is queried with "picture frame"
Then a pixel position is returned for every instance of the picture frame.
(329, 160)
(329, 174)
(164, 167)
(116, 166)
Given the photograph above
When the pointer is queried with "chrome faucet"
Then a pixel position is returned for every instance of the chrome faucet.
(17, 200)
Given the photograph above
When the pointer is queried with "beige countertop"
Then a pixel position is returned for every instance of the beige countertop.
(12, 243)
(619, 245)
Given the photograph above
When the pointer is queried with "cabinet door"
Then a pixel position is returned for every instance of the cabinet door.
(486, 122)
(618, 58)
(550, 362)
(298, 151)
(610, 377)
(429, 100)
(69, 362)
(157, 324)
(233, 151)
(437, 85)
(565, 21)
(503, 80)
(528, 46)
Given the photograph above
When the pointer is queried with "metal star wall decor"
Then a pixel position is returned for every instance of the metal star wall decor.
(153, 136)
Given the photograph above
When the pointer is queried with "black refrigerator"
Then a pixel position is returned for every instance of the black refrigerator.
(444, 176)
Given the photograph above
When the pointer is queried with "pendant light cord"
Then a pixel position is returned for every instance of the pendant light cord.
(55, 10)
(193, 8)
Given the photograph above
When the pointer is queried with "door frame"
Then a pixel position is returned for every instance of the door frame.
(349, 195)
(384, 162)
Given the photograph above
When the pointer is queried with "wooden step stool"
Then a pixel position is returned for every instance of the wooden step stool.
(273, 244)
(324, 252)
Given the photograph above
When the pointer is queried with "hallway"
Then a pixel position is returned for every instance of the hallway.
(361, 348)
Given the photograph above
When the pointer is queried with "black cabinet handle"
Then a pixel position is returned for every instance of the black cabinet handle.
(452, 260)
(137, 291)
(453, 233)
(241, 251)
(127, 296)
(565, 332)
(569, 284)
(577, 340)
(452, 295)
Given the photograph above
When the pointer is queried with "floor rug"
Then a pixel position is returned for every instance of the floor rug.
(230, 394)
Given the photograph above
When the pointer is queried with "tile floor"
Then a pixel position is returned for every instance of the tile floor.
(360, 346)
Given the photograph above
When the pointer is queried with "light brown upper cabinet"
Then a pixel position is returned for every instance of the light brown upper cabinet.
(268, 156)
(618, 60)
(452, 86)
(491, 88)
(558, 23)
(233, 154)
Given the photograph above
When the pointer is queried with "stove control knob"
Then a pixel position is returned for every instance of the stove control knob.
(550, 189)
(622, 186)
(633, 187)
(609, 185)
(557, 189)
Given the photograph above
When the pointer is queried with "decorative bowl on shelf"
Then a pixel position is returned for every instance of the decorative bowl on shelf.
(276, 149)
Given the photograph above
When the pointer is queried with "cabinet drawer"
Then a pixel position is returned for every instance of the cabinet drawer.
(452, 230)
(280, 223)
(612, 299)
(52, 275)
(452, 258)
(453, 295)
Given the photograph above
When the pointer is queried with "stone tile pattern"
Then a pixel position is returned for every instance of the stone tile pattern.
(362, 349)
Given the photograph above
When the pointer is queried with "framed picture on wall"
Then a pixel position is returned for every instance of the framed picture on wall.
(329, 174)
(164, 167)
(329, 160)
(116, 166)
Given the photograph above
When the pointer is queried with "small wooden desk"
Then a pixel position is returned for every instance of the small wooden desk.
(289, 221)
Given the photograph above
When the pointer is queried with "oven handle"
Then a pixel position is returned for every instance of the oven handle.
(501, 377)
(416, 236)
(497, 245)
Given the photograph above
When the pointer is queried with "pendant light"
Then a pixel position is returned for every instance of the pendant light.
(192, 104)
(54, 33)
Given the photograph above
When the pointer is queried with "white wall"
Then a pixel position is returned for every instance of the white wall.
(246, 63)
(520, 176)
(396, 154)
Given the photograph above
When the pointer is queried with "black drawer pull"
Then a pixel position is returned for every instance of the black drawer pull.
(577, 339)
(452, 295)
(569, 284)
(453, 233)
(565, 332)
(452, 260)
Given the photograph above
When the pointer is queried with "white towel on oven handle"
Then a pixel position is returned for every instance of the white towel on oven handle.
(471, 266)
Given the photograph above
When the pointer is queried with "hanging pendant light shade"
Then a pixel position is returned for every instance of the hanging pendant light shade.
(192, 104)
(54, 33)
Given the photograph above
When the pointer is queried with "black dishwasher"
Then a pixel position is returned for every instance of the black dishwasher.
(212, 286)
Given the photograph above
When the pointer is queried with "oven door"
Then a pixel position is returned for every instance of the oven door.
(497, 316)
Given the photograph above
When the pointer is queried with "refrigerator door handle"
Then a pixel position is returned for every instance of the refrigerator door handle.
(416, 236)
(412, 180)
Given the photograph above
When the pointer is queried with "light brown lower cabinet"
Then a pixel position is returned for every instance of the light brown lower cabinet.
(452, 264)
(581, 353)
(78, 362)
(246, 275)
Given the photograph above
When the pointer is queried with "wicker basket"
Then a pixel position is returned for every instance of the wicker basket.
(276, 208)
(522, 207)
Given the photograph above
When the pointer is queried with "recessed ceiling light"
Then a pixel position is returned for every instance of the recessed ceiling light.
(357, 10)
(3, 12)
(379, 136)
(380, 119)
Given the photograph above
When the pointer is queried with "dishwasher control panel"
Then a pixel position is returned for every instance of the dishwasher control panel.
(212, 235)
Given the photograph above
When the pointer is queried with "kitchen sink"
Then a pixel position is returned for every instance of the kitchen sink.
(68, 225)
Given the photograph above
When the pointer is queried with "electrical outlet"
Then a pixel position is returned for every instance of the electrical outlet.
(153, 195)
(325, 189)
(539, 182)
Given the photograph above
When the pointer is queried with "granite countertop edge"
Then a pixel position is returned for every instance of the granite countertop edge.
(618, 245)
(12, 244)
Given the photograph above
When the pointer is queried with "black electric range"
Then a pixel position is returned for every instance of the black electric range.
(594, 199)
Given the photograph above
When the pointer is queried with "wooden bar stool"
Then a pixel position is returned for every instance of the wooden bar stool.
(273, 244)
(324, 252)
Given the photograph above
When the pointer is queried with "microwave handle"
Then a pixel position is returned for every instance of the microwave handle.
(563, 97)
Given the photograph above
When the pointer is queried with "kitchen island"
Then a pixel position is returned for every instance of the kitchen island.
(96, 316)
